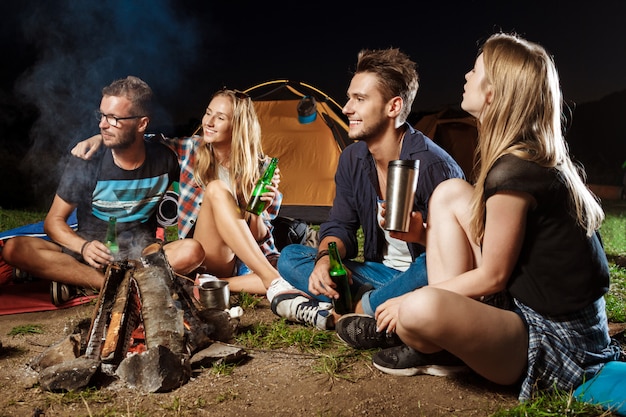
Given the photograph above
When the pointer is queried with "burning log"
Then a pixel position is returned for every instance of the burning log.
(125, 316)
(114, 276)
(162, 319)
(200, 336)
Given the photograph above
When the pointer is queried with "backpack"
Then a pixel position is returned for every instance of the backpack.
(288, 230)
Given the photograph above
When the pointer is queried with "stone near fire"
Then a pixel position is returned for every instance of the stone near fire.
(218, 353)
(218, 325)
(67, 349)
(155, 370)
(70, 375)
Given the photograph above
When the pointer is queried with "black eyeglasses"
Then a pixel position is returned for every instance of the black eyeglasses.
(113, 120)
(239, 94)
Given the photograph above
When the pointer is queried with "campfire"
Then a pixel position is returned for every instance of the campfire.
(147, 330)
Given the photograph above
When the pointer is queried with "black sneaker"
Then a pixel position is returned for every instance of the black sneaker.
(20, 276)
(359, 331)
(405, 361)
(61, 293)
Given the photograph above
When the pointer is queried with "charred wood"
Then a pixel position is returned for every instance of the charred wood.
(162, 319)
(113, 277)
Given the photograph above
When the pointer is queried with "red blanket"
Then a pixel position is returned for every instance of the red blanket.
(32, 296)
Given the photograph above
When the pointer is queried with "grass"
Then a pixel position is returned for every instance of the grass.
(613, 233)
(246, 300)
(10, 219)
(87, 395)
(279, 334)
(333, 359)
(616, 297)
(26, 329)
(554, 404)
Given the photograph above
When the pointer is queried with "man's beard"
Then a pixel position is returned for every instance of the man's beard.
(124, 140)
(370, 132)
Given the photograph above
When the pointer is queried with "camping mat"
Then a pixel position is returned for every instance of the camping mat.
(32, 296)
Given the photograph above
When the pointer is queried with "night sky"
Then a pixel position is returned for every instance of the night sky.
(58, 54)
(187, 49)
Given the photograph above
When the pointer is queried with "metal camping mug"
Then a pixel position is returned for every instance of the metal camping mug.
(401, 185)
(215, 294)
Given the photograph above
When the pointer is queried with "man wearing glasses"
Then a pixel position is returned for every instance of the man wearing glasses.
(126, 180)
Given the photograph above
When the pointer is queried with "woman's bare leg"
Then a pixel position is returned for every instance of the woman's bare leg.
(184, 255)
(224, 234)
(250, 283)
(491, 341)
(447, 232)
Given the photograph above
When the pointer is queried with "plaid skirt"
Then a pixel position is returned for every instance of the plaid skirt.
(563, 353)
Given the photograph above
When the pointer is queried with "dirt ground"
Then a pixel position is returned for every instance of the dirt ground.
(271, 383)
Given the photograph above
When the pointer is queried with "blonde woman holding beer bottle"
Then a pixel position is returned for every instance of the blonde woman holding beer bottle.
(229, 161)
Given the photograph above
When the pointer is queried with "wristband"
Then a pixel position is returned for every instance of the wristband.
(82, 249)
(321, 254)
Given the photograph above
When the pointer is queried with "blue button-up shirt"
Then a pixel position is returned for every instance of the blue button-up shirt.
(356, 198)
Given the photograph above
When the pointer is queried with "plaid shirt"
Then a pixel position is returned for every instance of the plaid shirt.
(191, 194)
(564, 352)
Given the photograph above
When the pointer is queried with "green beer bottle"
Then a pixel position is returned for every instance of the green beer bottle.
(256, 205)
(111, 239)
(338, 274)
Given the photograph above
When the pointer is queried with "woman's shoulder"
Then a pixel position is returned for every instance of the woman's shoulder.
(513, 172)
(515, 165)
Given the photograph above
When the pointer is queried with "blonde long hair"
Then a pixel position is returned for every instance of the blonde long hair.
(246, 153)
(524, 119)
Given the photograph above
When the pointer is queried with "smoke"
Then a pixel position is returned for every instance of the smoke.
(83, 46)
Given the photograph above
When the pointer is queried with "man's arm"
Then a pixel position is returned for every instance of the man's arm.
(320, 281)
(87, 148)
(56, 227)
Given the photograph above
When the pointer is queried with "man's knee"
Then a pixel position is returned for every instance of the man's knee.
(294, 257)
(297, 253)
(13, 247)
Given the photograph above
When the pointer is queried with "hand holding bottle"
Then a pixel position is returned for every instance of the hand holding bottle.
(271, 190)
(96, 254)
(339, 275)
(320, 281)
(258, 200)
(111, 238)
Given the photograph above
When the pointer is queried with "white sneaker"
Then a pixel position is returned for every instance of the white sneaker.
(304, 310)
(325, 306)
(202, 278)
(280, 285)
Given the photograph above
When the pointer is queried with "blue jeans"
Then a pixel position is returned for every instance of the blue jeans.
(296, 264)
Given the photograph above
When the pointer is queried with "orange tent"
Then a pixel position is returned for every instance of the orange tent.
(308, 148)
